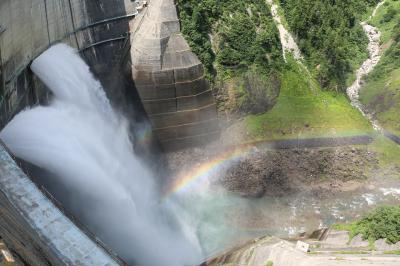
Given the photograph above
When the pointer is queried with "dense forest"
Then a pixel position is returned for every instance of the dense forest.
(330, 36)
(246, 32)
(238, 39)
(328, 33)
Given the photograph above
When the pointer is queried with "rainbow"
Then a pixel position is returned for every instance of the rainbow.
(144, 135)
(203, 171)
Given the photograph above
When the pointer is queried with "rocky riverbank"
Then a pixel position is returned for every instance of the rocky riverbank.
(323, 171)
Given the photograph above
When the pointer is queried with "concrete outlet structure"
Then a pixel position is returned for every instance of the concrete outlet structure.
(170, 79)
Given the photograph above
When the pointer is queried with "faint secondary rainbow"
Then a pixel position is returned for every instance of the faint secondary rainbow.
(199, 173)
(144, 136)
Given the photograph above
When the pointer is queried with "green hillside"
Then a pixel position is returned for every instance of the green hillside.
(239, 44)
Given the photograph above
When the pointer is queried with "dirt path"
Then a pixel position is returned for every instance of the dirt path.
(287, 40)
(367, 66)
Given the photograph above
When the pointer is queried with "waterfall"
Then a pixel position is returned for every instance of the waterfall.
(85, 144)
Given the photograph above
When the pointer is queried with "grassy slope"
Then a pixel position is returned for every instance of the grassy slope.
(383, 97)
(381, 94)
(304, 110)
(386, 27)
(388, 152)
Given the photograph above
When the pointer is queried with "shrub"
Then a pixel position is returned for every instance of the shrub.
(389, 15)
(382, 223)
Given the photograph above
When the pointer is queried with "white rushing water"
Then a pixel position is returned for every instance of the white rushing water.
(367, 66)
(86, 144)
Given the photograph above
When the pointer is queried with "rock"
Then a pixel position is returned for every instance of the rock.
(302, 246)
(281, 172)
(357, 241)
(382, 245)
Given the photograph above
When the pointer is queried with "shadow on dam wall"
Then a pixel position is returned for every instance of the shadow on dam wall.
(99, 30)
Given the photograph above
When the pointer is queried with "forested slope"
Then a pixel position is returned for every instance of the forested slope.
(239, 44)
(330, 36)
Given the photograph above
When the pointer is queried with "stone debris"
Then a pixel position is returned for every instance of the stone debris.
(367, 66)
(289, 45)
(302, 246)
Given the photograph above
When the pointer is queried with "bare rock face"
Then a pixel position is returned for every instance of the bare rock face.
(170, 79)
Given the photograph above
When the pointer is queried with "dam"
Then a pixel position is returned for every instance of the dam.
(152, 79)
(183, 132)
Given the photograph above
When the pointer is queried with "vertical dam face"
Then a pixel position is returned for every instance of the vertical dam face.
(170, 79)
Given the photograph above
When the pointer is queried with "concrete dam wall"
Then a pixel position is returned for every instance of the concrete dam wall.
(171, 91)
(35, 230)
(170, 79)
(27, 28)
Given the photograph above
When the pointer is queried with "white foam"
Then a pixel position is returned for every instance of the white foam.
(81, 139)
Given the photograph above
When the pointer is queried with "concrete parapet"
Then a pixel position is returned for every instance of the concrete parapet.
(170, 79)
(35, 230)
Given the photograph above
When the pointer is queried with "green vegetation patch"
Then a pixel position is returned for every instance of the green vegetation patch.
(304, 110)
(388, 152)
(386, 18)
(394, 252)
(382, 223)
(381, 95)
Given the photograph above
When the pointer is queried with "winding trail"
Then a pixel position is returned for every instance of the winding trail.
(367, 66)
(287, 41)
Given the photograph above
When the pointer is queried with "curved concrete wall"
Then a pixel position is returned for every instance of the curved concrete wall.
(34, 229)
(170, 79)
